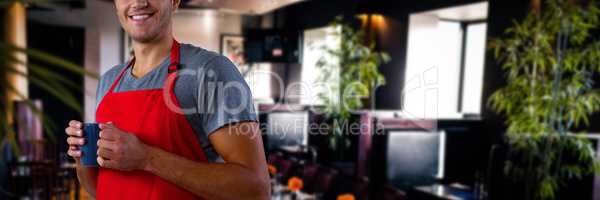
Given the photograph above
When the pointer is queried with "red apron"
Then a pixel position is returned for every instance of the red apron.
(145, 114)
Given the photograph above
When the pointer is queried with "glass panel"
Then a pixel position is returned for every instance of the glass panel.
(314, 42)
(474, 63)
(258, 77)
(433, 68)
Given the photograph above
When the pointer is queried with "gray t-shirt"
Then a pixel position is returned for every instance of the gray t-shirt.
(210, 90)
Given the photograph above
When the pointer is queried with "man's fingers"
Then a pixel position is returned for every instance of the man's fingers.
(74, 153)
(107, 144)
(109, 134)
(75, 141)
(105, 153)
(108, 125)
(75, 124)
(106, 163)
(72, 131)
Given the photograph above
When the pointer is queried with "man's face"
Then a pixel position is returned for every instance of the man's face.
(145, 20)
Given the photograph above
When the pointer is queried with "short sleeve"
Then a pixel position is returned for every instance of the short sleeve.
(105, 82)
(100, 91)
(224, 96)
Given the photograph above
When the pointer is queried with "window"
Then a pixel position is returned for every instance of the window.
(445, 59)
(314, 41)
(258, 76)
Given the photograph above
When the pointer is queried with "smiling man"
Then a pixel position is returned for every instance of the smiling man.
(169, 129)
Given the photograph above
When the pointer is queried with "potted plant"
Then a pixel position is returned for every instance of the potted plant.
(44, 77)
(550, 59)
(351, 73)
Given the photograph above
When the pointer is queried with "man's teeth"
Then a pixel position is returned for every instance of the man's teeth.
(139, 17)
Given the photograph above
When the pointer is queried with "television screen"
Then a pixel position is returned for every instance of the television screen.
(287, 129)
(414, 158)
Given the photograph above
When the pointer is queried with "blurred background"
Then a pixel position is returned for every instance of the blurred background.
(458, 99)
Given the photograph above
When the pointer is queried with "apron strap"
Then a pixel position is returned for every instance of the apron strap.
(114, 84)
(173, 67)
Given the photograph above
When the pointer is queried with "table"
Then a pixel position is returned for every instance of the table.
(280, 192)
(438, 191)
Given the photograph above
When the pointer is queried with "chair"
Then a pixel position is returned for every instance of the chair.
(308, 173)
(496, 181)
(361, 187)
(323, 180)
(274, 157)
(392, 193)
(284, 168)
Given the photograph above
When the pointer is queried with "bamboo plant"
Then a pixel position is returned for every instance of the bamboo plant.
(351, 71)
(550, 59)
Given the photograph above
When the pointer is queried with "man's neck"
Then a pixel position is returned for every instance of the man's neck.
(149, 55)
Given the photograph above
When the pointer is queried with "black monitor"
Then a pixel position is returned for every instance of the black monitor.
(286, 129)
(414, 157)
(271, 45)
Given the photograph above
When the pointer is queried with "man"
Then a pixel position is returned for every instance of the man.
(152, 146)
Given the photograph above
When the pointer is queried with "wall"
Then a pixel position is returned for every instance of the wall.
(204, 27)
(394, 41)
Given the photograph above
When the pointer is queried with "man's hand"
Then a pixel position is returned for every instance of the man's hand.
(120, 150)
(87, 176)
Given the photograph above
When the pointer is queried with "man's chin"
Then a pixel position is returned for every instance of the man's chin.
(143, 38)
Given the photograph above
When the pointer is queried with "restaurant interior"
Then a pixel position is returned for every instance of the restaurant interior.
(456, 99)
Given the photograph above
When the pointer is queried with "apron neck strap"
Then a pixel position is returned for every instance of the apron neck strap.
(174, 66)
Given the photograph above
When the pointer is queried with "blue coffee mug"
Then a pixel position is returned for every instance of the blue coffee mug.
(91, 133)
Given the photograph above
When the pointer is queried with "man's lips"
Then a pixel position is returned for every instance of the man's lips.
(140, 17)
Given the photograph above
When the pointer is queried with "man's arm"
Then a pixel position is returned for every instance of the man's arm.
(88, 177)
(243, 175)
